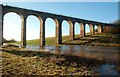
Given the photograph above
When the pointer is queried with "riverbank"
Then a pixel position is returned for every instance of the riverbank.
(17, 61)
(21, 61)
(96, 40)
(93, 40)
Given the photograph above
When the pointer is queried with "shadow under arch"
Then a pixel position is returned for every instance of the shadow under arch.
(65, 31)
(12, 27)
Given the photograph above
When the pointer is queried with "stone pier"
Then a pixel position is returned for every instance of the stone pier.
(42, 16)
(91, 29)
(100, 29)
(1, 26)
(42, 32)
(82, 29)
(72, 34)
(23, 31)
(58, 31)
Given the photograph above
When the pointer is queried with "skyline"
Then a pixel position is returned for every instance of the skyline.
(60, 1)
(101, 12)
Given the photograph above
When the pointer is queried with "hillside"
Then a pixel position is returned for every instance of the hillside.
(49, 41)
(116, 22)
(97, 39)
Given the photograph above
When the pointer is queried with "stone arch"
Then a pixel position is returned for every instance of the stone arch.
(42, 30)
(72, 34)
(100, 28)
(77, 30)
(82, 29)
(95, 29)
(87, 29)
(65, 31)
(33, 29)
(23, 13)
(58, 31)
(14, 22)
(50, 26)
(91, 28)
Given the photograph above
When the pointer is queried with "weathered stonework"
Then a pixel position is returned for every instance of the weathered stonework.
(71, 30)
(82, 29)
(42, 16)
(1, 26)
(91, 29)
(42, 32)
(99, 29)
(58, 31)
(23, 31)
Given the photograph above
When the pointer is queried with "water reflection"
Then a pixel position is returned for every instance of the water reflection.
(109, 54)
(99, 52)
(107, 69)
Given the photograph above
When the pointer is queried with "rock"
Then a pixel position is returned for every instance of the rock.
(10, 46)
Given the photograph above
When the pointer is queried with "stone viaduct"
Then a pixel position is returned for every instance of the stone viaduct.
(42, 16)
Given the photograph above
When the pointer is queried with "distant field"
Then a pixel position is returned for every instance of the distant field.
(49, 40)
(99, 39)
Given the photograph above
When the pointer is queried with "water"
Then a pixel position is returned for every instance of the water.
(110, 54)
(107, 69)
(100, 52)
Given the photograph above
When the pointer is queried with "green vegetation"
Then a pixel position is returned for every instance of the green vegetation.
(16, 61)
(97, 39)
(49, 41)
(27, 62)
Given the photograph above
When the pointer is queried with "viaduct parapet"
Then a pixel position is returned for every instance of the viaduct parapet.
(42, 16)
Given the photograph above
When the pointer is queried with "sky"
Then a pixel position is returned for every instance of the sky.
(106, 12)
(59, 0)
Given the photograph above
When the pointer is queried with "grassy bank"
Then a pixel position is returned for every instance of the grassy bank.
(49, 40)
(32, 62)
(97, 39)
(17, 62)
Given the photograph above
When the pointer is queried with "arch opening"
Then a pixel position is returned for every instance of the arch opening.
(95, 29)
(87, 29)
(32, 30)
(12, 28)
(77, 30)
(50, 27)
(65, 31)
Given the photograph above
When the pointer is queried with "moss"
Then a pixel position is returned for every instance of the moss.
(43, 63)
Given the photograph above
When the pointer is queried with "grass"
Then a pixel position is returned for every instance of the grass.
(16, 62)
(49, 41)
(97, 39)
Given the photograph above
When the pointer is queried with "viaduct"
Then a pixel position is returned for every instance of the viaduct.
(42, 16)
